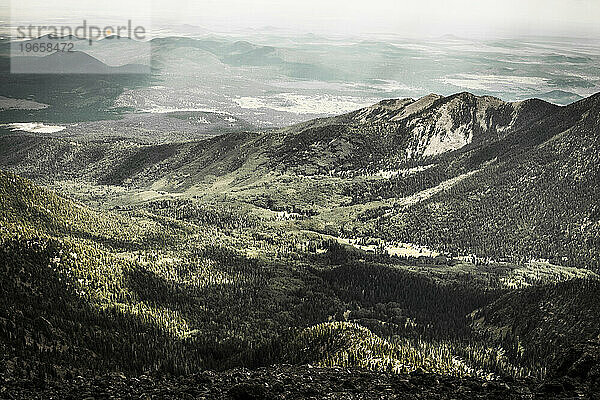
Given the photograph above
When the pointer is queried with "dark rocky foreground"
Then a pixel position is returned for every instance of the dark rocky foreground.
(287, 382)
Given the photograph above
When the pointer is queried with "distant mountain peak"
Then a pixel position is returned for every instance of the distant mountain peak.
(116, 37)
(72, 62)
(417, 106)
(394, 104)
(52, 36)
(436, 124)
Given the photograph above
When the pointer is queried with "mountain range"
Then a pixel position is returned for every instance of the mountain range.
(276, 82)
(450, 239)
(464, 154)
(70, 62)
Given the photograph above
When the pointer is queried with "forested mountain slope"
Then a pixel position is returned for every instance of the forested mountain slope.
(536, 200)
(86, 290)
(457, 236)
(557, 324)
(89, 292)
(460, 174)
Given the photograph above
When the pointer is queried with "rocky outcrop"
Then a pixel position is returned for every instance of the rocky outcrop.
(437, 124)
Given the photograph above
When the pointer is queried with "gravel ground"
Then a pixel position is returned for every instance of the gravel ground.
(289, 382)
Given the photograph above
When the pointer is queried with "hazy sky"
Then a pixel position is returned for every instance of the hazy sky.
(409, 18)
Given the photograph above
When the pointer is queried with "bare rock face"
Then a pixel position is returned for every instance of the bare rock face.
(437, 124)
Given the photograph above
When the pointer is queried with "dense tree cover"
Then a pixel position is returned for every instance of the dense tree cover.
(90, 290)
(401, 184)
(531, 195)
(537, 325)
(351, 344)
(535, 204)
(222, 216)
(221, 279)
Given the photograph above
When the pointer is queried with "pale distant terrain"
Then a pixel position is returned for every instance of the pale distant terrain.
(271, 80)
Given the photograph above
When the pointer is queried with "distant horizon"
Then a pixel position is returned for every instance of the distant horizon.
(7, 32)
(425, 19)
(343, 73)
